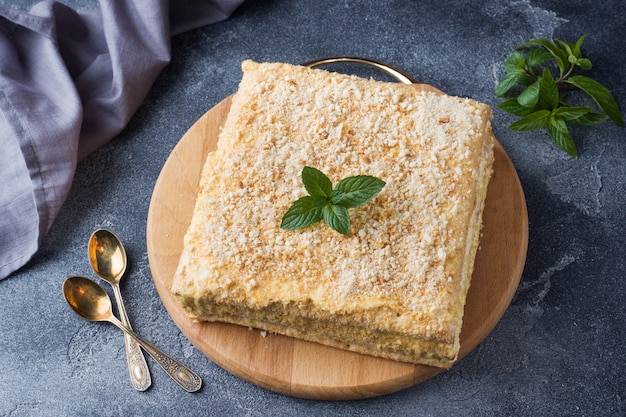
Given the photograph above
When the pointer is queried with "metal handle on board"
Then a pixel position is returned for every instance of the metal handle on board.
(399, 75)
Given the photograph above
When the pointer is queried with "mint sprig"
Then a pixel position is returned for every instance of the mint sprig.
(328, 204)
(538, 80)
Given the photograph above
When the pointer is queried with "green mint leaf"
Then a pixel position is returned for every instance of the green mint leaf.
(336, 196)
(530, 96)
(575, 54)
(559, 132)
(515, 63)
(537, 56)
(577, 45)
(508, 82)
(600, 94)
(533, 121)
(304, 212)
(559, 55)
(548, 91)
(515, 67)
(584, 63)
(337, 218)
(358, 190)
(512, 106)
(316, 182)
(328, 204)
(571, 113)
(590, 119)
(567, 47)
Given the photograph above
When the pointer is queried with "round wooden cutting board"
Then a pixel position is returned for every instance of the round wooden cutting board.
(309, 370)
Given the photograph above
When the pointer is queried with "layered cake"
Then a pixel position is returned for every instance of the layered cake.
(395, 285)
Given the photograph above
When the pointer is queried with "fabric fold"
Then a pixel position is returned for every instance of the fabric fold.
(69, 82)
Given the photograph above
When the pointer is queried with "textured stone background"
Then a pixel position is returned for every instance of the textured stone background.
(560, 347)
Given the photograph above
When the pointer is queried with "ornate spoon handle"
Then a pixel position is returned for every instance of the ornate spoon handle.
(137, 366)
(185, 377)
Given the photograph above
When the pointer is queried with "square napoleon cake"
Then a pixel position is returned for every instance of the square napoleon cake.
(395, 286)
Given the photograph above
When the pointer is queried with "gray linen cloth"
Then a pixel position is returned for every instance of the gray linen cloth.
(69, 82)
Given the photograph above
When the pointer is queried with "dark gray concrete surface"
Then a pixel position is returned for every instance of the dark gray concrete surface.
(560, 348)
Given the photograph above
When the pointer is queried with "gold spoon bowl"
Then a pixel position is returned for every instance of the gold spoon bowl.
(90, 301)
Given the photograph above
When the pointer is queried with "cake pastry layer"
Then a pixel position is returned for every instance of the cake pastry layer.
(395, 286)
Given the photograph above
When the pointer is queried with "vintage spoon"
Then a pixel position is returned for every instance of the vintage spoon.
(90, 301)
(108, 259)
